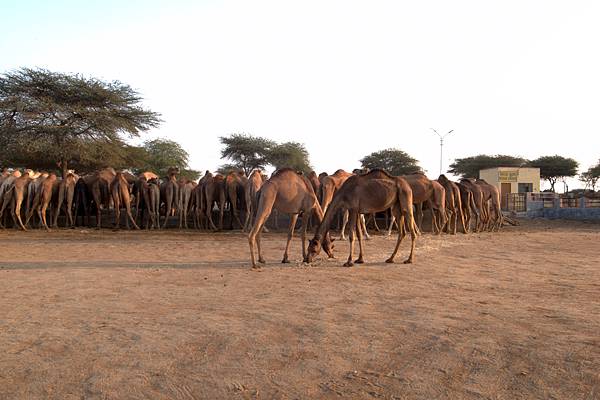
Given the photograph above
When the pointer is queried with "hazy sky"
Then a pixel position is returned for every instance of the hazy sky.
(346, 78)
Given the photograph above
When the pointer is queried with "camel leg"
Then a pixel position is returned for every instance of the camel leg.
(168, 206)
(374, 217)
(419, 208)
(221, 208)
(391, 226)
(400, 219)
(363, 227)
(306, 221)
(128, 210)
(263, 212)
(359, 228)
(293, 220)
(44, 221)
(344, 223)
(18, 202)
(353, 218)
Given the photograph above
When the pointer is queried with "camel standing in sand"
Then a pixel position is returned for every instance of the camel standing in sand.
(433, 194)
(169, 191)
(491, 197)
(119, 190)
(186, 187)
(140, 195)
(44, 197)
(98, 185)
(372, 192)
(65, 195)
(453, 205)
(253, 185)
(14, 196)
(235, 187)
(477, 194)
(290, 193)
(470, 210)
(214, 191)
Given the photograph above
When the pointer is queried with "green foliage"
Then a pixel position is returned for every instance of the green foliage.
(394, 161)
(59, 119)
(555, 167)
(290, 155)
(225, 169)
(469, 167)
(591, 176)
(157, 156)
(246, 152)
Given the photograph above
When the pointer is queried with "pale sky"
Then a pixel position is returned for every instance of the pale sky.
(346, 78)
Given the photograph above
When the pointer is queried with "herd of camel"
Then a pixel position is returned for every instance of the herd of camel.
(30, 196)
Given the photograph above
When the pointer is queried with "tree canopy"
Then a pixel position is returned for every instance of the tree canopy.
(469, 167)
(290, 155)
(246, 152)
(553, 168)
(57, 119)
(591, 176)
(394, 161)
(158, 155)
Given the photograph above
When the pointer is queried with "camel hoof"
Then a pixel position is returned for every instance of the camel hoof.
(348, 264)
(261, 260)
(409, 261)
(359, 261)
(389, 261)
(256, 267)
(285, 261)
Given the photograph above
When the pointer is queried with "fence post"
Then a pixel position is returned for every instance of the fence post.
(582, 202)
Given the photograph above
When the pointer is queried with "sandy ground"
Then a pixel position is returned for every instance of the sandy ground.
(179, 315)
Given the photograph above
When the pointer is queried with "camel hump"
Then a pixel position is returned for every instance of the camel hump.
(377, 172)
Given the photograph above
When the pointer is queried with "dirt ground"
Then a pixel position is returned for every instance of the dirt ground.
(88, 314)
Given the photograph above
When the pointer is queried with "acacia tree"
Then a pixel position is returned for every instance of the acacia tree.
(394, 161)
(290, 155)
(553, 168)
(56, 118)
(246, 152)
(469, 167)
(591, 176)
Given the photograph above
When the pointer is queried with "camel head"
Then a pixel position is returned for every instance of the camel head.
(315, 245)
(173, 171)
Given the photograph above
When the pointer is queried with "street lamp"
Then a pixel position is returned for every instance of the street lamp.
(442, 137)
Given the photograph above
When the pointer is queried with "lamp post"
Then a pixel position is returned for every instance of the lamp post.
(442, 137)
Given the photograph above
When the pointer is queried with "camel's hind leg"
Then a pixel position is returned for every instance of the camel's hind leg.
(293, 220)
(359, 230)
(344, 223)
(17, 211)
(263, 212)
(353, 218)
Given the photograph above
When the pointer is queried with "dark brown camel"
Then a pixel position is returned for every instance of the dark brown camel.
(98, 185)
(235, 187)
(290, 193)
(453, 205)
(480, 215)
(372, 192)
(470, 210)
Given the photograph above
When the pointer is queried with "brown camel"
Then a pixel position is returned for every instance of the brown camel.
(199, 194)
(14, 196)
(98, 184)
(186, 187)
(235, 187)
(425, 191)
(453, 205)
(480, 212)
(119, 190)
(290, 193)
(66, 193)
(491, 197)
(253, 185)
(169, 191)
(214, 191)
(46, 191)
(5, 184)
(372, 192)
(34, 188)
(470, 210)
(140, 193)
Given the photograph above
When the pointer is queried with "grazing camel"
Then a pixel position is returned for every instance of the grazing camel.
(119, 189)
(372, 192)
(290, 193)
(253, 185)
(66, 193)
(479, 210)
(138, 192)
(34, 188)
(15, 195)
(470, 210)
(44, 197)
(453, 205)
(6, 184)
(186, 187)
(426, 191)
(491, 197)
(199, 194)
(82, 201)
(98, 184)
(169, 191)
(235, 186)
(214, 191)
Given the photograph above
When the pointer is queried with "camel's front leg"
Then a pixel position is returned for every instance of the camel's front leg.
(344, 223)
(293, 220)
(353, 218)
(358, 228)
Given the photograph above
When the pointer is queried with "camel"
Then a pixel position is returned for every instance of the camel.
(253, 185)
(15, 195)
(5, 184)
(469, 208)
(34, 188)
(44, 197)
(479, 210)
(491, 195)
(290, 193)
(453, 205)
(186, 187)
(214, 191)
(198, 193)
(81, 200)
(372, 192)
(66, 192)
(169, 191)
(235, 186)
(314, 181)
(119, 189)
(138, 192)
(98, 184)
(426, 191)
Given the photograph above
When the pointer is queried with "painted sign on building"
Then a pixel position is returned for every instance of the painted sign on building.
(508, 176)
